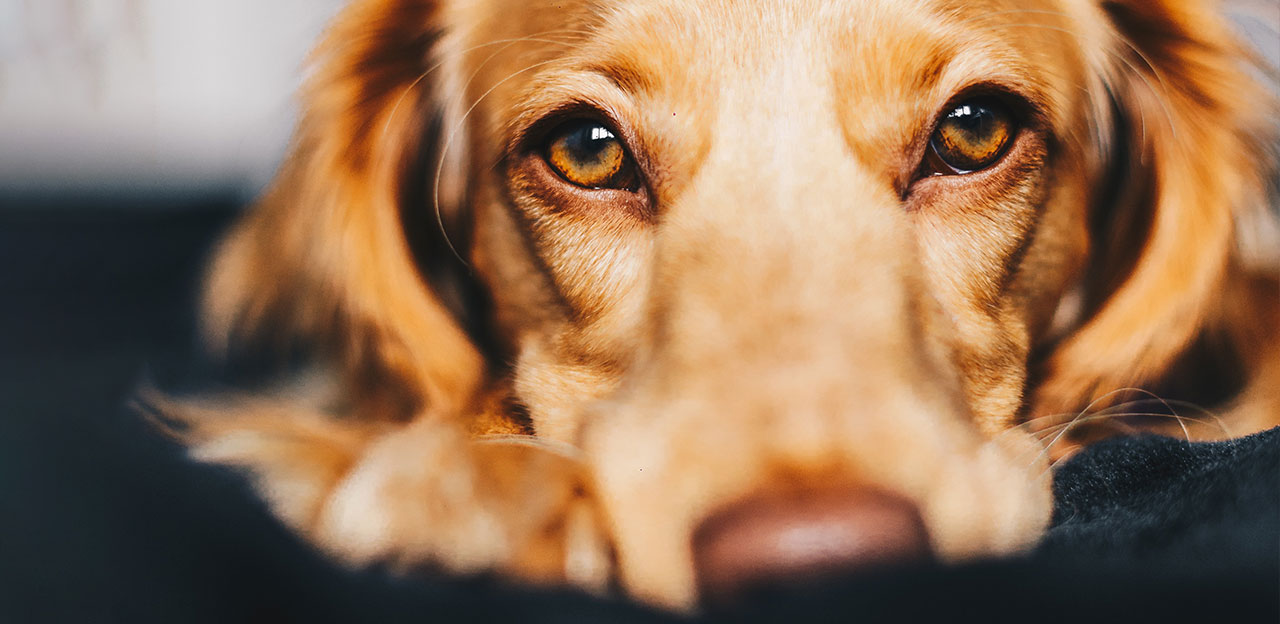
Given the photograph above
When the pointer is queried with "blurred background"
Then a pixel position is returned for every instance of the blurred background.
(186, 96)
(149, 96)
(132, 132)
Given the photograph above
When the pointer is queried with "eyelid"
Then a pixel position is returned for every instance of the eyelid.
(533, 128)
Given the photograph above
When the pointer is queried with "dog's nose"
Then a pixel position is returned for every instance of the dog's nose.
(794, 536)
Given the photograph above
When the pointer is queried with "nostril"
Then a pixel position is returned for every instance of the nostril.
(804, 534)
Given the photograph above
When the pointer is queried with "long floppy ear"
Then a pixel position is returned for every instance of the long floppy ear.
(323, 261)
(1193, 116)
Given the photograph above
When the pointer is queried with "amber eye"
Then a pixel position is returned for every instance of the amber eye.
(590, 155)
(974, 135)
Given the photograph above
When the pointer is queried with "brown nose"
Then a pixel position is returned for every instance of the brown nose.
(794, 536)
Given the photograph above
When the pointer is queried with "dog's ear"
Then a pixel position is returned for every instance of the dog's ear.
(323, 261)
(1190, 120)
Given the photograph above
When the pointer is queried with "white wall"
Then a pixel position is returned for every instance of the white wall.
(149, 94)
(185, 95)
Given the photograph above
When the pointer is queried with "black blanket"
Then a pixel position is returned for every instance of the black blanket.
(103, 521)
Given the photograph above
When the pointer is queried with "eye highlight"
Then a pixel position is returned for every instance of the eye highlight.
(973, 136)
(588, 154)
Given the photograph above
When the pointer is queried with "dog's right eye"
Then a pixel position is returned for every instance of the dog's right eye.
(590, 155)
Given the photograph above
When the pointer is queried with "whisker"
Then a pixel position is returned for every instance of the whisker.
(1166, 406)
(1089, 88)
(1125, 62)
(1117, 415)
(1164, 87)
(1140, 54)
(540, 37)
(1221, 422)
(449, 143)
(1084, 413)
(535, 38)
(1113, 416)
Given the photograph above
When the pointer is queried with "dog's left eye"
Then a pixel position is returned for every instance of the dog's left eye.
(590, 155)
(973, 136)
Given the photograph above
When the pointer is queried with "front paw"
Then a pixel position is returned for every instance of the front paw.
(428, 495)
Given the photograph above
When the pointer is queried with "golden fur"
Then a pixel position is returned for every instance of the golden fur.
(782, 302)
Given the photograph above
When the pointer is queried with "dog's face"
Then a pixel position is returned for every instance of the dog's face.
(734, 249)
(793, 242)
(804, 207)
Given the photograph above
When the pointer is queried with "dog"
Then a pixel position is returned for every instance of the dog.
(682, 297)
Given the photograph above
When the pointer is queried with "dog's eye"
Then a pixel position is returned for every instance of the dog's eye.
(590, 155)
(973, 136)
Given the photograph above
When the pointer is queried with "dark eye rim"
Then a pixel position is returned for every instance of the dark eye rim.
(553, 127)
(934, 164)
(531, 178)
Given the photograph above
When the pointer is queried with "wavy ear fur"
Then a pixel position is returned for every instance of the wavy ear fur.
(323, 261)
(1194, 117)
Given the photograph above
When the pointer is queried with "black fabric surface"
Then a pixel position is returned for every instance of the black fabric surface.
(103, 521)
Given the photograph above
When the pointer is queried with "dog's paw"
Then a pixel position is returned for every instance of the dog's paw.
(429, 496)
(426, 495)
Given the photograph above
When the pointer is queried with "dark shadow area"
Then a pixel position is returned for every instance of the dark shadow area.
(103, 520)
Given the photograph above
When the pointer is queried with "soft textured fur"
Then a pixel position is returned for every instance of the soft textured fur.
(508, 373)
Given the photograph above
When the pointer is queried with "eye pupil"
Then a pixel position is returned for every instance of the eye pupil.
(973, 136)
(590, 155)
(589, 142)
(970, 119)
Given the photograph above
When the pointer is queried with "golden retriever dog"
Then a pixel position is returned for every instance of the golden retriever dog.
(677, 297)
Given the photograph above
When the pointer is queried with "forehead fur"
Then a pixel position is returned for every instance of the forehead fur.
(892, 64)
